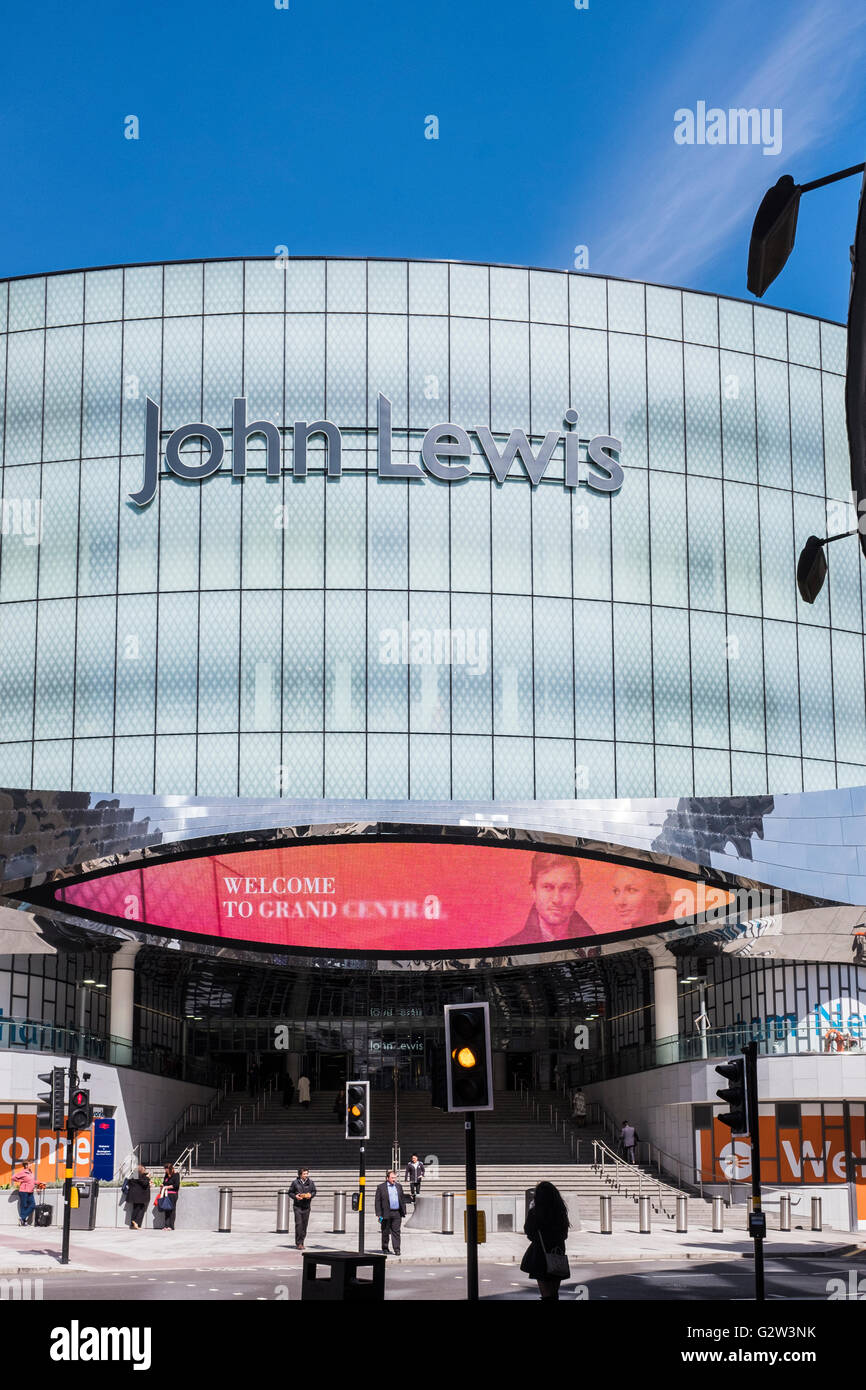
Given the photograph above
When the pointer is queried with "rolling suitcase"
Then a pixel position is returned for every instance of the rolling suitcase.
(42, 1215)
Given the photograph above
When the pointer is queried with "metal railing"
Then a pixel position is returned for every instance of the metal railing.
(35, 1035)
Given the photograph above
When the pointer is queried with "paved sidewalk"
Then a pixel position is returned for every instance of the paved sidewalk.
(253, 1243)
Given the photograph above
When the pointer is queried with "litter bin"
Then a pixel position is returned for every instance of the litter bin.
(342, 1283)
(83, 1217)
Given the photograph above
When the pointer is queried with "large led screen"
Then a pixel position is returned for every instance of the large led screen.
(391, 897)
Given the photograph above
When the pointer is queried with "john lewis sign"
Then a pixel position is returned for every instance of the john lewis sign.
(446, 451)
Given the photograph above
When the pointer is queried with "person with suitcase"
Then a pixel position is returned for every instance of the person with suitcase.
(25, 1181)
(43, 1211)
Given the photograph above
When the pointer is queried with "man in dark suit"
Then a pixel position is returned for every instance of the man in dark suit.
(556, 888)
(390, 1209)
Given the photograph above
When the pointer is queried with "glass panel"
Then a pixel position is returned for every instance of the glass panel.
(625, 306)
(591, 525)
(346, 515)
(512, 657)
(142, 377)
(142, 292)
(804, 344)
(706, 544)
(673, 771)
(431, 648)
(700, 319)
(347, 286)
(428, 372)
(184, 285)
(387, 533)
(548, 296)
(469, 290)
(512, 532)
(264, 293)
(471, 687)
(778, 561)
(58, 552)
(19, 547)
(589, 382)
(217, 765)
(771, 332)
(345, 661)
(302, 767)
(630, 522)
(345, 765)
(665, 387)
(838, 468)
(303, 668)
(97, 551)
(24, 398)
(430, 768)
(512, 769)
(782, 688)
(807, 441)
(472, 768)
(633, 676)
(470, 394)
(635, 771)
(347, 355)
(388, 766)
(103, 295)
(224, 286)
(175, 767)
(746, 684)
(26, 304)
(135, 665)
(138, 533)
(94, 669)
(62, 430)
(553, 676)
(774, 445)
(303, 552)
(742, 551)
(509, 293)
(664, 312)
(305, 368)
(470, 535)
(177, 667)
(509, 376)
(65, 299)
(628, 418)
(587, 301)
(387, 286)
(667, 530)
(134, 765)
(703, 416)
(550, 384)
(712, 773)
(391, 651)
(259, 771)
(17, 652)
(55, 668)
(305, 286)
(848, 697)
(710, 682)
(551, 540)
(738, 417)
(554, 769)
(833, 347)
(428, 535)
(260, 662)
(671, 660)
(428, 288)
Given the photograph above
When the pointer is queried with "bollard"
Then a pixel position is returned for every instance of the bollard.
(606, 1223)
(816, 1213)
(340, 1213)
(682, 1212)
(283, 1203)
(718, 1214)
(447, 1213)
(644, 1215)
(785, 1212)
(225, 1221)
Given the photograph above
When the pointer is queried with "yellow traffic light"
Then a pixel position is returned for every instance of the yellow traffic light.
(465, 1057)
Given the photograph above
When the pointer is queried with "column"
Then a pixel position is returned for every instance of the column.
(667, 1021)
(122, 1000)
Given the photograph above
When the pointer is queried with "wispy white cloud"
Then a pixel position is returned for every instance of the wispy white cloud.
(696, 197)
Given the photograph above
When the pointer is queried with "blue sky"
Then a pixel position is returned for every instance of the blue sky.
(305, 127)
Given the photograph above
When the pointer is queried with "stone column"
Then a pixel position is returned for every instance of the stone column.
(122, 998)
(667, 1023)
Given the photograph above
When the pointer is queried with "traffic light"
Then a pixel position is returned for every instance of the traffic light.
(358, 1110)
(80, 1110)
(50, 1114)
(468, 1057)
(735, 1095)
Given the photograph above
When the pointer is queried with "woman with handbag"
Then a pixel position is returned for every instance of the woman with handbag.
(166, 1202)
(547, 1227)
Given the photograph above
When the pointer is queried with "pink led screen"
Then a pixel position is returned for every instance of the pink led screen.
(393, 897)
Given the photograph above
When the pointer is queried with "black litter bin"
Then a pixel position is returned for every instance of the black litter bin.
(341, 1283)
(83, 1217)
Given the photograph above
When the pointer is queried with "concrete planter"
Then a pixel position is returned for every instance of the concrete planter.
(197, 1210)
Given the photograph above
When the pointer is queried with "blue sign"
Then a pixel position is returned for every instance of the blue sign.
(103, 1149)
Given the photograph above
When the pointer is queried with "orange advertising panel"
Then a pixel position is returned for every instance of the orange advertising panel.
(45, 1150)
(812, 1153)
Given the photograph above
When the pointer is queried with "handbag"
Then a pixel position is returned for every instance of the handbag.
(555, 1260)
(165, 1202)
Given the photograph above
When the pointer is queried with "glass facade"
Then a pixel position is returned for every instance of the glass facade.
(267, 636)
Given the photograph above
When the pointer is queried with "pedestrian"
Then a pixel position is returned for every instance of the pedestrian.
(304, 1092)
(25, 1181)
(547, 1226)
(169, 1192)
(415, 1171)
(390, 1209)
(628, 1139)
(302, 1192)
(137, 1190)
(288, 1091)
(578, 1108)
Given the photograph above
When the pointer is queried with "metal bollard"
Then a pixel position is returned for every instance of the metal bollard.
(816, 1213)
(785, 1212)
(682, 1212)
(283, 1203)
(606, 1222)
(644, 1215)
(225, 1221)
(447, 1213)
(718, 1213)
(340, 1213)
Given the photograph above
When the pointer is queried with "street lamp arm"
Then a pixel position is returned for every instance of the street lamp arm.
(833, 178)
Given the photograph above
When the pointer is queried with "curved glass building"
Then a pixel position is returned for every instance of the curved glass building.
(386, 616)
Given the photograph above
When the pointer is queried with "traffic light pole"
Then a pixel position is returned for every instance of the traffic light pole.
(757, 1217)
(362, 1187)
(69, 1162)
(471, 1211)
